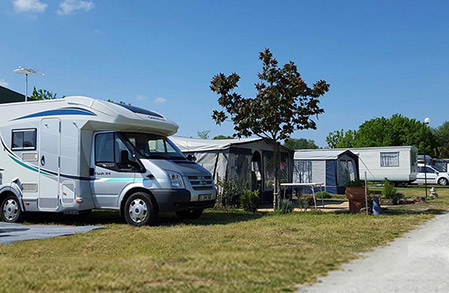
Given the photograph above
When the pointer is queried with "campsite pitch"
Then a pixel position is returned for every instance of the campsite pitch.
(222, 251)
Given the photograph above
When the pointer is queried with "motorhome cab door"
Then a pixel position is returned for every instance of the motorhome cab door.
(49, 160)
(110, 175)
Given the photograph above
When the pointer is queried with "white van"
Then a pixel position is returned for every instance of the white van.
(76, 154)
(433, 174)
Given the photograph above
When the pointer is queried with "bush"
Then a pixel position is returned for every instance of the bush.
(389, 191)
(249, 200)
(322, 194)
(286, 206)
(355, 183)
(227, 190)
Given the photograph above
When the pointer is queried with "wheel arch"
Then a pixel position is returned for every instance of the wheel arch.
(7, 190)
(128, 192)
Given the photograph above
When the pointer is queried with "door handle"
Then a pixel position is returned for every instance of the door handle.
(43, 160)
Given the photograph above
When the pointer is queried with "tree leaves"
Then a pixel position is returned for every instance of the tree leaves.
(283, 102)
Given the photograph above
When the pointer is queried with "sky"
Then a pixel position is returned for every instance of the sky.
(380, 57)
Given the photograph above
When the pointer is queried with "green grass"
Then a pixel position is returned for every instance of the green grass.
(221, 251)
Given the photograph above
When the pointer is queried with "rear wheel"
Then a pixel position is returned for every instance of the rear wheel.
(189, 215)
(442, 181)
(10, 209)
(139, 209)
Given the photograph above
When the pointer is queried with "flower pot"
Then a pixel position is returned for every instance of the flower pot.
(356, 197)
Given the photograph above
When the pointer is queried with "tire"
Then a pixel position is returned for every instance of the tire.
(189, 215)
(139, 209)
(442, 181)
(10, 210)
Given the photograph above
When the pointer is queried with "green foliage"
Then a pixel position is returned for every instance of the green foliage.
(388, 191)
(442, 138)
(218, 137)
(286, 206)
(341, 139)
(249, 200)
(322, 194)
(227, 191)
(42, 95)
(356, 183)
(203, 134)
(283, 103)
(300, 144)
(394, 131)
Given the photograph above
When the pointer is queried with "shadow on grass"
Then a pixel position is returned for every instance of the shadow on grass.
(209, 217)
(399, 211)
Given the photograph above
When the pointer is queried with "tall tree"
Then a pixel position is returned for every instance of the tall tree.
(42, 94)
(203, 134)
(300, 144)
(283, 103)
(340, 139)
(442, 137)
(394, 131)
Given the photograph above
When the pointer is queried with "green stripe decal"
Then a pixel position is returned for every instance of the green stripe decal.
(27, 166)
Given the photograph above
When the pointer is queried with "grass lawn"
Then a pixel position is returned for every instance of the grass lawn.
(221, 251)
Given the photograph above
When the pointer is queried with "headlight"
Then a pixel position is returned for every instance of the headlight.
(176, 180)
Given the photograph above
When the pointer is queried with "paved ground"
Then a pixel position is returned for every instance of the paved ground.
(10, 233)
(418, 262)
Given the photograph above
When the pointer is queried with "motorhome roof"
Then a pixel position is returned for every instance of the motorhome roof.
(101, 114)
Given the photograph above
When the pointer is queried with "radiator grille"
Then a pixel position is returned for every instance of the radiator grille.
(201, 182)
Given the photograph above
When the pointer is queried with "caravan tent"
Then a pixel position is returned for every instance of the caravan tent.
(333, 168)
(249, 161)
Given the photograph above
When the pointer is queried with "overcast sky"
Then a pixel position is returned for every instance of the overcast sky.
(380, 57)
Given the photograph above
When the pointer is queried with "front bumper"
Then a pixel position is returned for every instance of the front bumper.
(177, 200)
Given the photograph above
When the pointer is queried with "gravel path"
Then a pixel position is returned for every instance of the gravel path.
(418, 262)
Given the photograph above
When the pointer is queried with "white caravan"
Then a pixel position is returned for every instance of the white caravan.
(76, 154)
(397, 163)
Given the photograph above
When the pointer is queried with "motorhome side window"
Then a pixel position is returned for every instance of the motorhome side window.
(23, 139)
(108, 147)
(389, 159)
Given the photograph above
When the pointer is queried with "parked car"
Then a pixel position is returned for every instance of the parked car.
(433, 173)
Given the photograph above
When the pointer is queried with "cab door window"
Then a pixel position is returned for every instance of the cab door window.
(110, 151)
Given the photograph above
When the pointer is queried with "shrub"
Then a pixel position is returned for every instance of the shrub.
(355, 183)
(249, 200)
(227, 190)
(286, 206)
(322, 194)
(389, 191)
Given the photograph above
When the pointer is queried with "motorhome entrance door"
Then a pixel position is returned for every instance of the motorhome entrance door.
(50, 150)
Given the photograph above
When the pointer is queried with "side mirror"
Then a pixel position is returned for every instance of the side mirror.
(124, 158)
(191, 157)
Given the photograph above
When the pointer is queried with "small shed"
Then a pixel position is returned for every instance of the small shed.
(333, 168)
(249, 161)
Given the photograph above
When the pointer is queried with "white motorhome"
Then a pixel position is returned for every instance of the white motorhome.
(397, 163)
(76, 154)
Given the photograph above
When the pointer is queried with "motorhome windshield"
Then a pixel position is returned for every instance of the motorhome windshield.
(153, 146)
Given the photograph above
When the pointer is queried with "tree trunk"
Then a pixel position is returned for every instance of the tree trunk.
(277, 181)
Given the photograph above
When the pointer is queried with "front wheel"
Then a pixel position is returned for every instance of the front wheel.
(442, 181)
(189, 215)
(10, 210)
(139, 209)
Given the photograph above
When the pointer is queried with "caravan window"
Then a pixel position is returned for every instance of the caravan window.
(23, 139)
(104, 148)
(389, 159)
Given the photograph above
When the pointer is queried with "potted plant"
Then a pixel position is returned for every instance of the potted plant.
(355, 192)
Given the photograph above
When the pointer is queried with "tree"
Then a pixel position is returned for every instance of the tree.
(218, 137)
(300, 144)
(341, 139)
(394, 131)
(283, 103)
(120, 102)
(203, 134)
(42, 95)
(442, 138)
